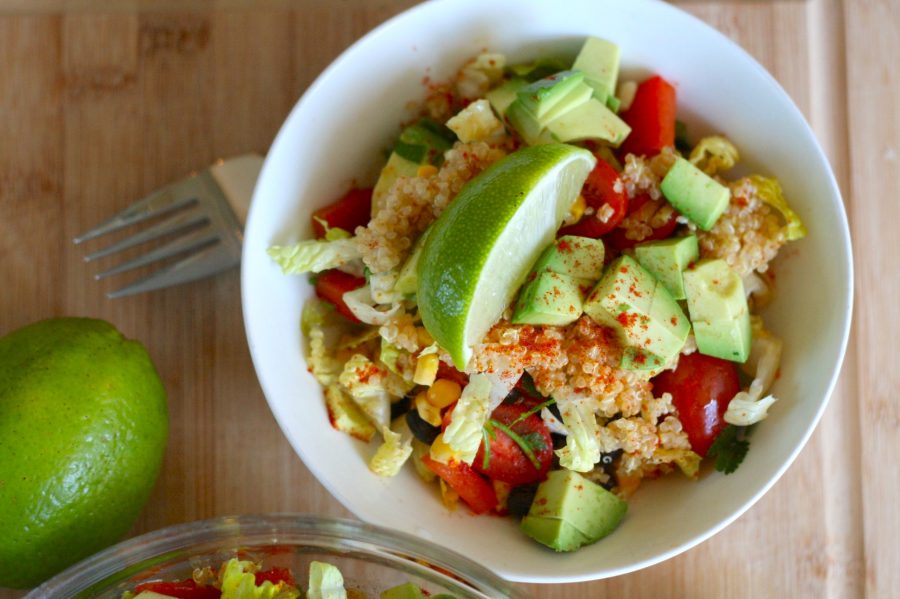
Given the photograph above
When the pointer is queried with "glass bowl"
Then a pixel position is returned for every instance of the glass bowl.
(370, 558)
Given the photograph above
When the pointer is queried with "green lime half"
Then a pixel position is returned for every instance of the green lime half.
(481, 248)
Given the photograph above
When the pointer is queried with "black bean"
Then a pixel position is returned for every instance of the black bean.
(554, 409)
(520, 499)
(420, 429)
(608, 462)
(400, 407)
(559, 441)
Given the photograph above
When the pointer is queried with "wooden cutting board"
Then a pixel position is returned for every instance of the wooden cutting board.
(103, 102)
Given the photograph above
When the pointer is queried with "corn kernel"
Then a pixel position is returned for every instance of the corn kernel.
(427, 412)
(441, 452)
(426, 170)
(449, 497)
(443, 393)
(577, 210)
(423, 337)
(426, 369)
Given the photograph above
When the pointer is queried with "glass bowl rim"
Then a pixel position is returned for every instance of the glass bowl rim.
(389, 545)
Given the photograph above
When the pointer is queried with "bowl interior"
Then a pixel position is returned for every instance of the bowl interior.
(334, 138)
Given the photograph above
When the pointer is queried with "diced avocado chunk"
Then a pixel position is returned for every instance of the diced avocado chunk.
(718, 308)
(404, 591)
(569, 511)
(151, 595)
(538, 69)
(599, 61)
(634, 358)
(695, 194)
(637, 306)
(579, 94)
(423, 142)
(590, 120)
(575, 256)
(667, 259)
(543, 95)
(526, 124)
(407, 278)
(551, 298)
(614, 103)
(504, 94)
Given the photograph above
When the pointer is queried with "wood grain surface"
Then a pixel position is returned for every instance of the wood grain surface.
(102, 103)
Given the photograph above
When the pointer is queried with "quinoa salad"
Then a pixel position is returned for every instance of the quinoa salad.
(631, 345)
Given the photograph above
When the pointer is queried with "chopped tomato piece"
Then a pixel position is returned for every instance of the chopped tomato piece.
(276, 575)
(617, 239)
(446, 371)
(506, 461)
(331, 286)
(602, 188)
(185, 589)
(478, 493)
(701, 387)
(351, 211)
(651, 117)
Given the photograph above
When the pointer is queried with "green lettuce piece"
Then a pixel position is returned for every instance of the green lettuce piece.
(314, 255)
(325, 582)
(769, 191)
(332, 233)
(239, 582)
(714, 154)
(322, 364)
(364, 381)
(392, 454)
(581, 451)
(463, 434)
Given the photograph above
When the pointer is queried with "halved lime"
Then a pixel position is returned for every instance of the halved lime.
(481, 248)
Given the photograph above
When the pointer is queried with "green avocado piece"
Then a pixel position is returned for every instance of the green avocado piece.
(667, 259)
(408, 590)
(543, 95)
(526, 124)
(423, 142)
(575, 256)
(635, 358)
(719, 312)
(637, 306)
(599, 61)
(569, 511)
(83, 429)
(151, 595)
(579, 94)
(550, 298)
(538, 69)
(504, 94)
(695, 194)
(407, 278)
(590, 120)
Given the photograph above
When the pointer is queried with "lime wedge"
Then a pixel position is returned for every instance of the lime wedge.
(480, 249)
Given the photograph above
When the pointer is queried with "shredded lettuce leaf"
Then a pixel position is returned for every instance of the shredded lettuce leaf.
(463, 434)
(363, 380)
(421, 450)
(714, 154)
(332, 233)
(322, 364)
(325, 582)
(750, 406)
(581, 451)
(392, 454)
(314, 255)
(239, 582)
(769, 191)
(361, 303)
(346, 416)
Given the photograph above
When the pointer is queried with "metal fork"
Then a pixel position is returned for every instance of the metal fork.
(206, 213)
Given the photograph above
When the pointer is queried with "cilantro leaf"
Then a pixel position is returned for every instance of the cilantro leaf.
(729, 449)
(535, 441)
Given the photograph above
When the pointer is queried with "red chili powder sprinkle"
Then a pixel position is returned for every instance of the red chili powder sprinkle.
(564, 246)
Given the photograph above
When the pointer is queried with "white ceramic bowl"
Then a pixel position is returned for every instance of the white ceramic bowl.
(335, 136)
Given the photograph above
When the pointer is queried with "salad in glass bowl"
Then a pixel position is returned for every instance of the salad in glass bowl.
(550, 295)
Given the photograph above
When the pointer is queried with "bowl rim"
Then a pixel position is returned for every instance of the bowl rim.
(846, 257)
(276, 529)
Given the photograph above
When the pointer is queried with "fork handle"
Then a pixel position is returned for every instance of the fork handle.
(237, 178)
